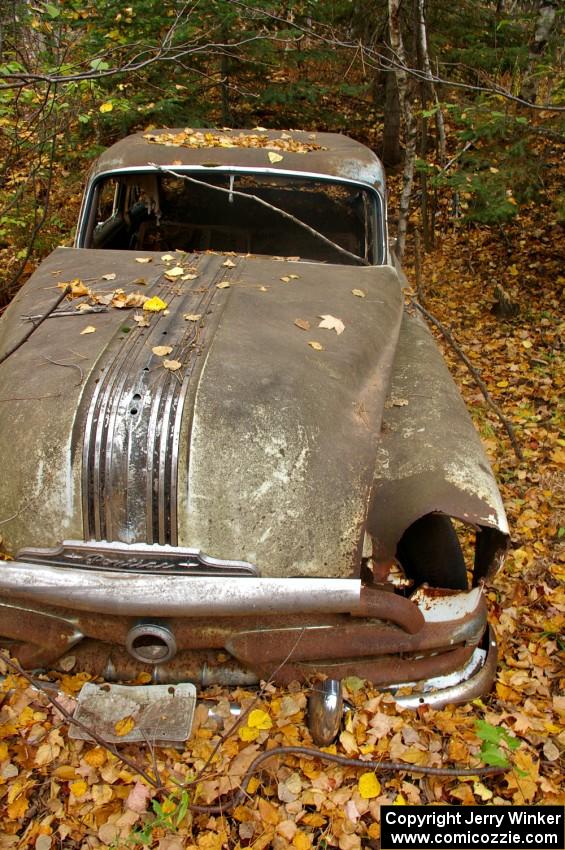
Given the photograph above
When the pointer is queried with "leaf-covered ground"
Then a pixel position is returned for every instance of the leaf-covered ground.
(61, 793)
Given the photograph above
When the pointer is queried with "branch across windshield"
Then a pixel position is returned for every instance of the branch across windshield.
(160, 211)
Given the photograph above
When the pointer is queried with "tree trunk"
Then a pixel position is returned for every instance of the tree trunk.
(410, 131)
(544, 25)
(429, 77)
(391, 133)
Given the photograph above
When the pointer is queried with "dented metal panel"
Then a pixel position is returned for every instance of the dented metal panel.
(429, 457)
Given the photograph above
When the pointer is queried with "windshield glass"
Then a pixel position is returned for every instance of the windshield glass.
(163, 212)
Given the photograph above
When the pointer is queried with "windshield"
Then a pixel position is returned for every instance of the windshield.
(254, 214)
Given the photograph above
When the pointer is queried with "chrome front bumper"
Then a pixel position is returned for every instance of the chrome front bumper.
(236, 630)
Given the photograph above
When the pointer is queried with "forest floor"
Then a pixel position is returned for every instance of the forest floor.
(58, 792)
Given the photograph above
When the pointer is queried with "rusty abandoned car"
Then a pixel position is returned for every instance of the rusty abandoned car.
(262, 467)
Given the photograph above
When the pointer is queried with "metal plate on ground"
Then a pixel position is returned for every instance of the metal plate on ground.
(160, 714)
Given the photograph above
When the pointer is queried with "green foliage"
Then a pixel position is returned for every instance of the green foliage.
(169, 815)
(497, 169)
(497, 743)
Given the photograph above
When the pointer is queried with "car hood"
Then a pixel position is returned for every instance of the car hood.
(232, 422)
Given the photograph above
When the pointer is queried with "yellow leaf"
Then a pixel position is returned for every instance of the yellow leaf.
(78, 788)
(502, 384)
(527, 343)
(90, 329)
(399, 800)
(107, 106)
(143, 678)
(169, 806)
(143, 259)
(154, 305)
(18, 808)
(274, 157)
(95, 757)
(369, 786)
(253, 784)
(316, 345)
(65, 772)
(259, 719)
(247, 734)
(359, 293)
(269, 814)
(301, 841)
(124, 726)
(162, 350)
(3, 752)
(224, 284)
(78, 289)
(374, 831)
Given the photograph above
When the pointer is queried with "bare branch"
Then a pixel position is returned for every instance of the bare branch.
(287, 215)
(376, 59)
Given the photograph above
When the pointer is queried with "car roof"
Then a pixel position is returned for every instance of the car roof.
(333, 154)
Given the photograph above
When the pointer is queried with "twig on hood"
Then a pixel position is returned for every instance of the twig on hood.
(34, 327)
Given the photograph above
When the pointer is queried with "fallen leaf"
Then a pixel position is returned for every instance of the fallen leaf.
(171, 274)
(330, 323)
(263, 289)
(396, 402)
(78, 288)
(259, 719)
(142, 321)
(274, 157)
(192, 317)
(107, 106)
(189, 276)
(154, 305)
(172, 365)
(135, 299)
(551, 751)
(368, 786)
(109, 276)
(80, 787)
(138, 797)
(246, 734)
(359, 293)
(124, 726)
(167, 258)
(225, 284)
(90, 329)
(316, 345)
(162, 350)
(144, 259)
(304, 324)
(229, 264)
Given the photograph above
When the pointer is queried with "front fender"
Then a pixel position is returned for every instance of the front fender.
(430, 458)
